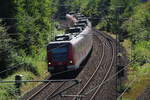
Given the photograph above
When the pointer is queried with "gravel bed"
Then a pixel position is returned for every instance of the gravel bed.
(29, 93)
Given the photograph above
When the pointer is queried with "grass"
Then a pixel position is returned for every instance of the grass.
(128, 45)
(111, 34)
(32, 67)
(8, 91)
(38, 64)
(139, 71)
(125, 99)
(143, 81)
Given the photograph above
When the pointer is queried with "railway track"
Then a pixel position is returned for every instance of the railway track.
(36, 94)
(50, 90)
(110, 70)
(106, 67)
(107, 73)
(102, 61)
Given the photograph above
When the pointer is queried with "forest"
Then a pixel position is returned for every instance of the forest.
(27, 26)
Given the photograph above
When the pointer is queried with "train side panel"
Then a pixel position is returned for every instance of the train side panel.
(82, 45)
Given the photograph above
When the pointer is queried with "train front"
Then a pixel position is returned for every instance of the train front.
(60, 57)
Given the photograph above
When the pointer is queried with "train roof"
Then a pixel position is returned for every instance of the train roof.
(79, 15)
(81, 18)
(71, 13)
(74, 40)
(82, 21)
(74, 30)
(73, 33)
(82, 25)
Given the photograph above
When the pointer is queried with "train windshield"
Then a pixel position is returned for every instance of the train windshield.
(59, 52)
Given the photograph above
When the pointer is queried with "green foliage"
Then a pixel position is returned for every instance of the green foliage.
(34, 28)
(33, 64)
(138, 25)
(125, 99)
(141, 51)
(96, 9)
(144, 70)
(6, 51)
(33, 24)
(7, 92)
(61, 8)
(138, 28)
(123, 88)
(130, 8)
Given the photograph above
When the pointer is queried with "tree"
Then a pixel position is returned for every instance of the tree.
(6, 51)
(138, 28)
(138, 25)
(33, 24)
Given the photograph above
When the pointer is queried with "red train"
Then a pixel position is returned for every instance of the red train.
(69, 50)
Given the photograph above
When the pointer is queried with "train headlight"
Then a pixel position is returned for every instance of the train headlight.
(70, 62)
(49, 63)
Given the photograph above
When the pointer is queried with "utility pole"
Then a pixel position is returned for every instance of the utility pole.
(118, 51)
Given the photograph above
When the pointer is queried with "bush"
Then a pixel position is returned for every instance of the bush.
(122, 87)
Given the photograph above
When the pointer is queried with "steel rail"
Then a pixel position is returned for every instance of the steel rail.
(89, 80)
(110, 78)
(53, 92)
(61, 91)
(107, 73)
(36, 93)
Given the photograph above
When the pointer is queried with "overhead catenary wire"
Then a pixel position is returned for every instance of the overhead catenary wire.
(61, 80)
(11, 68)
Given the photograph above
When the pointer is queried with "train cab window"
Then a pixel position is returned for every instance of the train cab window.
(58, 51)
(59, 54)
